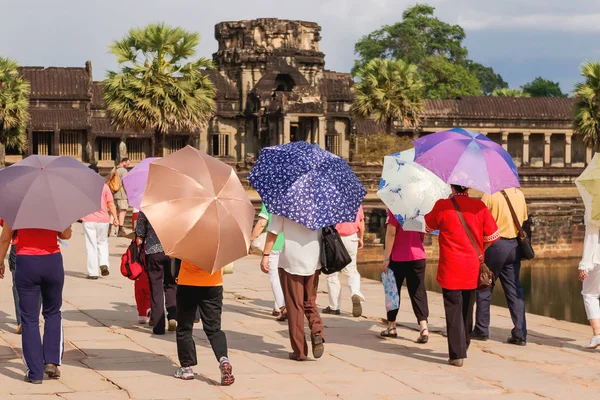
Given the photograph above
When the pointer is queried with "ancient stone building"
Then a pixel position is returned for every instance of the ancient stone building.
(272, 87)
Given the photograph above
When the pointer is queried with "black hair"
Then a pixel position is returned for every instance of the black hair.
(94, 168)
(459, 189)
(124, 159)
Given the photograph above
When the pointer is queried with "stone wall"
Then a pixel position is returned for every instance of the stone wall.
(557, 231)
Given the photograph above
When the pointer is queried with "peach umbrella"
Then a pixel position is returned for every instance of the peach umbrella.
(198, 209)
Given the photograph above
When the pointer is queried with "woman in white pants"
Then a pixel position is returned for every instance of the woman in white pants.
(264, 217)
(95, 230)
(589, 274)
(352, 234)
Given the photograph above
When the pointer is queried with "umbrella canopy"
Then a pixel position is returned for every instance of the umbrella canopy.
(135, 182)
(304, 183)
(588, 184)
(198, 209)
(469, 159)
(48, 192)
(409, 190)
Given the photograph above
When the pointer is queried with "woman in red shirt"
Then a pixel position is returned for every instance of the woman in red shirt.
(458, 268)
(39, 269)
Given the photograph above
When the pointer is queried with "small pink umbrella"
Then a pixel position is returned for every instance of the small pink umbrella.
(199, 209)
(135, 182)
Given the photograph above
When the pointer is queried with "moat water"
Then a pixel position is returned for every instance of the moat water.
(551, 287)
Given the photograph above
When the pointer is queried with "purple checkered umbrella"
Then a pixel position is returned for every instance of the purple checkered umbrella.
(135, 182)
(48, 192)
(469, 159)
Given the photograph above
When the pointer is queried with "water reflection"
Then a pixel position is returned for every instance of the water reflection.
(551, 287)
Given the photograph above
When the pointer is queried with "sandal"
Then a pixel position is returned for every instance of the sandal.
(283, 316)
(423, 338)
(388, 333)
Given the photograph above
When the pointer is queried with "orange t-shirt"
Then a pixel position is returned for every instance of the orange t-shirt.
(190, 275)
(37, 242)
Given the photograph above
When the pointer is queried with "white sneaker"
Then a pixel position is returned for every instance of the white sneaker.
(143, 320)
(594, 342)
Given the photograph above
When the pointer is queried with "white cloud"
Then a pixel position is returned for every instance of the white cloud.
(544, 22)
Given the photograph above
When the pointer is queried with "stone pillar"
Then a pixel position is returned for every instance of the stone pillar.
(242, 140)
(505, 140)
(322, 131)
(29, 149)
(589, 154)
(203, 138)
(286, 129)
(89, 147)
(547, 141)
(56, 143)
(525, 148)
(568, 142)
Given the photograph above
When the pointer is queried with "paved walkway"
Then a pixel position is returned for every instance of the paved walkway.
(109, 356)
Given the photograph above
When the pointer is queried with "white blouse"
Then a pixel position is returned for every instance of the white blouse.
(301, 249)
(591, 246)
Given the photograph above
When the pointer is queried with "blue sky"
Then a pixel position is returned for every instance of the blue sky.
(520, 39)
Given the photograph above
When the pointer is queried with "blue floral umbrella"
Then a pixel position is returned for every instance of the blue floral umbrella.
(304, 183)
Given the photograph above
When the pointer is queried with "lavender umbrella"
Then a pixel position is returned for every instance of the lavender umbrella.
(469, 159)
(135, 182)
(47, 192)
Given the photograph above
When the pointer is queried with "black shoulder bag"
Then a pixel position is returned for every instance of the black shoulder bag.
(486, 276)
(524, 241)
(334, 256)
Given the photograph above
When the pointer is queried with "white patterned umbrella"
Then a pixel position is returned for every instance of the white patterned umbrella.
(410, 190)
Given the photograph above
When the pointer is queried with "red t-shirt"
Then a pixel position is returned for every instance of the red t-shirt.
(408, 246)
(37, 242)
(15, 238)
(458, 267)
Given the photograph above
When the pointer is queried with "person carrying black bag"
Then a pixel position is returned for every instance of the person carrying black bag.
(504, 260)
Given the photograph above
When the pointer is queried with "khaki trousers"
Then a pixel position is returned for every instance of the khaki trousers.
(300, 294)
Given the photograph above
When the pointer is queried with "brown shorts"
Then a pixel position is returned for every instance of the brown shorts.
(122, 205)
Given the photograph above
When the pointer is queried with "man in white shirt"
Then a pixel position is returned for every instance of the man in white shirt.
(299, 269)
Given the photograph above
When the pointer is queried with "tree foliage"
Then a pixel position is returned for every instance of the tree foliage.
(506, 92)
(14, 108)
(388, 91)
(447, 80)
(541, 87)
(158, 87)
(424, 40)
(587, 105)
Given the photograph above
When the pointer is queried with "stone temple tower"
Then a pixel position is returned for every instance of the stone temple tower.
(283, 89)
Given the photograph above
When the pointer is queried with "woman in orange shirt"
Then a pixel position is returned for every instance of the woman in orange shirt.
(197, 289)
(39, 269)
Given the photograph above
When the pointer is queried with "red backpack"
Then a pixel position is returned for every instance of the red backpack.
(133, 262)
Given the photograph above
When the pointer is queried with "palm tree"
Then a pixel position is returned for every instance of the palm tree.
(506, 92)
(14, 108)
(389, 90)
(587, 105)
(158, 87)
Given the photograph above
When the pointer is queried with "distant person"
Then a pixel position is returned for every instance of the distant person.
(405, 256)
(120, 196)
(39, 269)
(141, 286)
(264, 218)
(163, 288)
(200, 290)
(458, 266)
(95, 231)
(504, 260)
(352, 234)
(299, 270)
(589, 274)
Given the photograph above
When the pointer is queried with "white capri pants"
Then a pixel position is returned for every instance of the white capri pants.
(274, 278)
(591, 293)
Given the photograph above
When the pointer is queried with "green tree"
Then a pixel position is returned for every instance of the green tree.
(587, 105)
(488, 78)
(388, 91)
(420, 39)
(444, 79)
(158, 87)
(541, 87)
(506, 92)
(14, 108)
